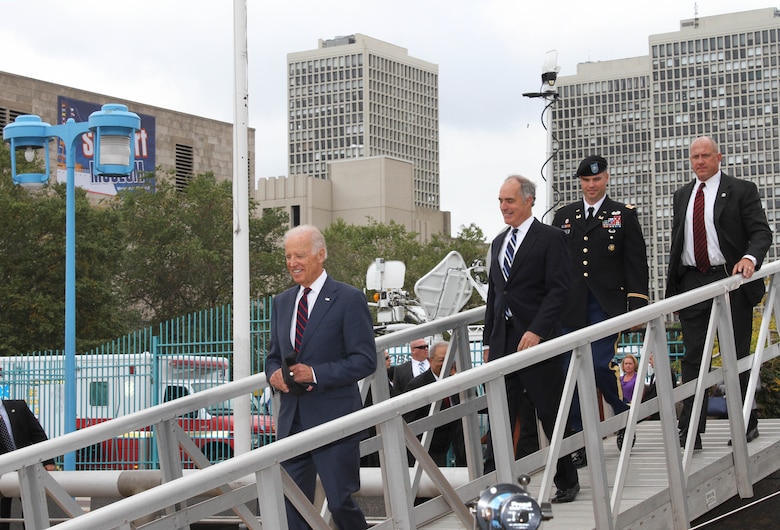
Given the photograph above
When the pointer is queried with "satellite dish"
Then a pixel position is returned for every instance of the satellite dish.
(446, 288)
(385, 275)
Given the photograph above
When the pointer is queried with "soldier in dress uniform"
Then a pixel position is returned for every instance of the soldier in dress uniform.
(609, 274)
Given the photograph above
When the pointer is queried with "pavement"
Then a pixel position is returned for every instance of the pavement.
(760, 512)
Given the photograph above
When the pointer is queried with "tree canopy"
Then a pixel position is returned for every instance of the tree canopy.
(143, 258)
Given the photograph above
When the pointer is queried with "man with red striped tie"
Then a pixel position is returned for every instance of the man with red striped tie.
(719, 229)
(322, 344)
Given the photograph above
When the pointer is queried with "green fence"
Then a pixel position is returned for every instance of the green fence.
(140, 370)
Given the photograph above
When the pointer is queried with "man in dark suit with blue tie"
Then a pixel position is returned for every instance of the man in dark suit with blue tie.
(734, 237)
(322, 344)
(528, 286)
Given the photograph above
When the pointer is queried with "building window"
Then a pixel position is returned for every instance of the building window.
(295, 215)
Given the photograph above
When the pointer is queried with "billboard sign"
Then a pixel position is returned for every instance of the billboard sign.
(84, 169)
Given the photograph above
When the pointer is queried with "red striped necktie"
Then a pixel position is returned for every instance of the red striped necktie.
(301, 318)
(700, 232)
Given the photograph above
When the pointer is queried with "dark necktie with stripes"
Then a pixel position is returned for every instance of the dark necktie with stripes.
(700, 232)
(6, 443)
(509, 254)
(509, 257)
(301, 318)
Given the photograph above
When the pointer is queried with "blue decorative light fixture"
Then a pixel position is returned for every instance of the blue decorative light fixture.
(114, 130)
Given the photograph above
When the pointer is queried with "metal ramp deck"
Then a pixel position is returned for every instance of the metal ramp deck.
(645, 503)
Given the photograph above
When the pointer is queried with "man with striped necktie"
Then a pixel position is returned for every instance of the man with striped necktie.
(733, 239)
(322, 344)
(528, 285)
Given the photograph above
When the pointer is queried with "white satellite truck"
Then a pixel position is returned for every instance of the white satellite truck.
(442, 292)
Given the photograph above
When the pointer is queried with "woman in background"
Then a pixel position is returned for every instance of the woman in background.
(627, 380)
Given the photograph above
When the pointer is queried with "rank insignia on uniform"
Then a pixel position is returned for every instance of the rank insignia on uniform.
(630, 206)
(616, 221)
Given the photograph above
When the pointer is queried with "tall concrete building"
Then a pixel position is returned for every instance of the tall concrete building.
(716, 76)
(363, 138)
(357, 97)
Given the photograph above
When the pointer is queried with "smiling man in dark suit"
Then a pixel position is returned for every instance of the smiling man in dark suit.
(528, 286)
(320, 348)
(23, 429)
(735, 238)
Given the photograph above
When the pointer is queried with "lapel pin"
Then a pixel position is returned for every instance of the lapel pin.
(327, 299)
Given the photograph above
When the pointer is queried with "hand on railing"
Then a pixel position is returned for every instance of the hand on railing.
(745, 267)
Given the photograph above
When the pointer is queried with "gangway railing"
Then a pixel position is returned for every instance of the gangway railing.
(255, 477)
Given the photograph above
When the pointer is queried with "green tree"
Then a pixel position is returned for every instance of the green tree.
(469, 243)
(32, 269)
(352, 248)
(266, 256)
(179, 247)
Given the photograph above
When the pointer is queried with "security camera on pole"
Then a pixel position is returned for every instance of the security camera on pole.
(549, 92)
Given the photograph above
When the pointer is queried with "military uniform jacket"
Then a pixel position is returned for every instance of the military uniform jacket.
(609, 259)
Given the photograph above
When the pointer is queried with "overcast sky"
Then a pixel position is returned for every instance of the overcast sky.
(178, 54)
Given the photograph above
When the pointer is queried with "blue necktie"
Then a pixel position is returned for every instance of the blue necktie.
(509, 254)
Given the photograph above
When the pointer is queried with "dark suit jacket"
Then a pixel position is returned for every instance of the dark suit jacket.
(536, 291)
(609, 259)
(443, 436)
(338, 344)
(25, 428)
(401, 377)
(421, 380)
(740, 223)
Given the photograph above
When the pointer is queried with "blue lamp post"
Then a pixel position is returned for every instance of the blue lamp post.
(114, 130)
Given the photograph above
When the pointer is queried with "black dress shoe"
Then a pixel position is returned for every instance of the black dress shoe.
(696, 444)
(579, 458)
(751, 435)
(621, 435)
(566, 494)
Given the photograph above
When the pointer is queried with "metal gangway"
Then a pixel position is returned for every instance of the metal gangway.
(652, 484)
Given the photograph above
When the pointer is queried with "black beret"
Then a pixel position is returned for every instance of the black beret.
(593, 165)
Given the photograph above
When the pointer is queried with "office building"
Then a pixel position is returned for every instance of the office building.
(172, 142)
(716, 76)
(357, 97)
(363, 141)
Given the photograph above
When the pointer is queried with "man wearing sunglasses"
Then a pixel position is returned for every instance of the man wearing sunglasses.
(417, 365)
